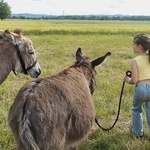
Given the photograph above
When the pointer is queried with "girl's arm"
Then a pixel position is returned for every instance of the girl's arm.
(134, 76)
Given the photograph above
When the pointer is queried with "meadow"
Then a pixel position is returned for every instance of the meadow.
(56, 42)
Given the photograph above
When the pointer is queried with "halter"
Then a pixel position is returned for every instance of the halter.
(25, 70)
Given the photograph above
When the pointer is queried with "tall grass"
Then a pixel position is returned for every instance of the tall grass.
(56, 42)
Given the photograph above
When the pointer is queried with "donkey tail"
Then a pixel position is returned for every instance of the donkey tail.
(25, 132)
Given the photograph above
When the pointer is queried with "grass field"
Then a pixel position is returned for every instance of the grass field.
(56, 42)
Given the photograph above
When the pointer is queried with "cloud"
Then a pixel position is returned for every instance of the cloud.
(117, 4)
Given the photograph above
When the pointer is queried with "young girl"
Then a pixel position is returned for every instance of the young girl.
(140, 67)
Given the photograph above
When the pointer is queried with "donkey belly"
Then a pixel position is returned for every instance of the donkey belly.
(79, 127)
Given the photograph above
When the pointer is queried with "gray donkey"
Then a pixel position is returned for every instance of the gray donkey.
(17, 54)
(56, 112)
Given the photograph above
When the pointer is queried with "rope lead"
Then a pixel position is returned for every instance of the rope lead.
(128, 73)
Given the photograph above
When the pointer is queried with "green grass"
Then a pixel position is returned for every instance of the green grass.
(56, 42)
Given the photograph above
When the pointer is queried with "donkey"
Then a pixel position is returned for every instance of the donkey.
(17, 55)
(56, 112)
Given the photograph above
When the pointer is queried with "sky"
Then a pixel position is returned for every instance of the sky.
(80, 7)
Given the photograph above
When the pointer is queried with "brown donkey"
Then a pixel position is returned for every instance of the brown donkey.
(55, 112)
(18, 55)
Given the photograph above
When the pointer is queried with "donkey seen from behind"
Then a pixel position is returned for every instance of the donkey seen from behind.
(56, 112)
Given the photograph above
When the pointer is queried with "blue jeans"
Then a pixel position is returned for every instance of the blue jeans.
(141, 95)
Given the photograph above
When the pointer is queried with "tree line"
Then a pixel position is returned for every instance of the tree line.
(99, 17)
(86, 17)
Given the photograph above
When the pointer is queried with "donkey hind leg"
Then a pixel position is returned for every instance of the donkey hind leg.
(19, 145)
(18, 142)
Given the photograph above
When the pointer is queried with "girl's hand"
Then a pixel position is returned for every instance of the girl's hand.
(127, 79)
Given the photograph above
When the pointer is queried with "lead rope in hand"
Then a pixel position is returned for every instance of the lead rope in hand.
(128, 73)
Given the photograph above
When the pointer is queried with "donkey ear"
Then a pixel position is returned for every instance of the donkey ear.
(100, 60)
(11, 33)
(79, 54)
(13, 37)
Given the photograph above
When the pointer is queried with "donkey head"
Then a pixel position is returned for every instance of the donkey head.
(88, 68)
(26, 58)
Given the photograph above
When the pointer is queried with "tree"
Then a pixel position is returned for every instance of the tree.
(5, 10)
